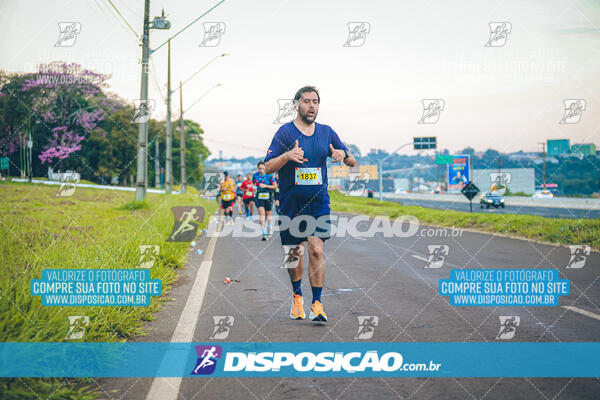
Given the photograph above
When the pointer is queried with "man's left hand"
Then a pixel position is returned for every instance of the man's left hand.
(337, 155)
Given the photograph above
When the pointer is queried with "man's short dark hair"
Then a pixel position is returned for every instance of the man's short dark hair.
(261, 162)
(225, 173)
(306, 89)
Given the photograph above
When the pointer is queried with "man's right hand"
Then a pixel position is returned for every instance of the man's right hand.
(296, 154)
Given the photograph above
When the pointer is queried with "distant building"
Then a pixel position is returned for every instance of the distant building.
(587, 149)
(336, 171)
(556, 147)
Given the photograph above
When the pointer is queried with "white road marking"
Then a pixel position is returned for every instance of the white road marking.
(583, 312)
(419, 257)
(164, 388)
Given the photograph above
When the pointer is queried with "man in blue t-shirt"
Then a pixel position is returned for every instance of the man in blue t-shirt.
(299, 152)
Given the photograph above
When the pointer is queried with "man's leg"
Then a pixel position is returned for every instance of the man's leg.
(297, 308)
(316, 262)
(296, 273)
(316, 275)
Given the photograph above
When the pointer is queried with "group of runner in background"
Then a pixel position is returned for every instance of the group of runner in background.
(258, 190)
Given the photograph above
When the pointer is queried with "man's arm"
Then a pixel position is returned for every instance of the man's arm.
(296, 154)
(338, 150)
(275, 164)
(350, 161)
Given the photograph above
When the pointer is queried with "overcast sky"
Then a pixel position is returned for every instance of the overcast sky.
(506, 97)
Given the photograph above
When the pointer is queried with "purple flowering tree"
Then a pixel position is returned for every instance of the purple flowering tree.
(66, 99)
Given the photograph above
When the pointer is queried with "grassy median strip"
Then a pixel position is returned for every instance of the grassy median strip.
(93, 228)
(551, 230)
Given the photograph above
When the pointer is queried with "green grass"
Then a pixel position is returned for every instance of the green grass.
(92, 229)
(549, 230)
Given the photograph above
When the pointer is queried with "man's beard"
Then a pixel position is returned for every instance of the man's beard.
(305, 118)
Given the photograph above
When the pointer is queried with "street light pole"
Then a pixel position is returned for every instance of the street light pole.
(169, 149)
(140, 192)
(182, 145)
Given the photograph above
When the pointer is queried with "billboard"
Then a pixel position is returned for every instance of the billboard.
(458, 173)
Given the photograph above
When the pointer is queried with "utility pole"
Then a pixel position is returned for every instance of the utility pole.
(141, 182)
(156, 166)
(182, 145)
(169, 149)
(544, 158)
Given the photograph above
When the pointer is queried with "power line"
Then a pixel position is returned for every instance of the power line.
(156, 82)
(233, 144)
(123, 19)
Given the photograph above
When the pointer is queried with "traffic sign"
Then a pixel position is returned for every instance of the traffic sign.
(444, 159)
(470, 190)
(425, 143)
(4, 163)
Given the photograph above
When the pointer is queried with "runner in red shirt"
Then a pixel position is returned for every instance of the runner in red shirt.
(248, 195)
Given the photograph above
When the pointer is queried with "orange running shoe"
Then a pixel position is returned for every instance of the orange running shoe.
(297, 308)
(317, 313)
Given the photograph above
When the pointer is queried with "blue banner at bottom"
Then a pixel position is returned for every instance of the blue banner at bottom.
(299, 359)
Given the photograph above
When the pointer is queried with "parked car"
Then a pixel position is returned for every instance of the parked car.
(491, 199)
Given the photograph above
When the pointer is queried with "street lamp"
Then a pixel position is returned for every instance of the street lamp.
(169, 150)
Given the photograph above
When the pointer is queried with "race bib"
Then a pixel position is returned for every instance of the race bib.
(263, 196)
(227, 197)
(308, 176)
(249, 193)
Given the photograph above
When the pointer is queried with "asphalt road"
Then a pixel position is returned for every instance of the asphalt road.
(377, 276)
(551, 212)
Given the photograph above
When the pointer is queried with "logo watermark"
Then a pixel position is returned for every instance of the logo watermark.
(357, 34)
(499, 181)
(325, 225)
(508, 327)
(437, 255)
(432, 109)
(67, 35)
(68, 184)
(286, 112)
(207, 359)
(210, 183)
(292, 255)
(574, 108)
(223, 324)
(579, 254)
(187, 220)
(357, 183)
(366, 326)
(148, 254)
(77, 325)
(499, 32)
(143, 110)
(213, 31)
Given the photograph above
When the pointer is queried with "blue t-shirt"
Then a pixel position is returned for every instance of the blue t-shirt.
(316, 150)
(267, 179)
